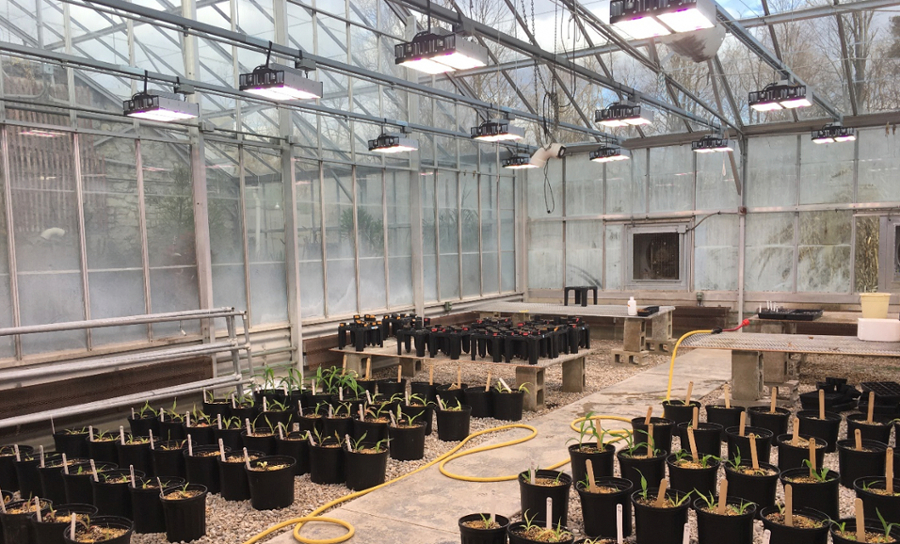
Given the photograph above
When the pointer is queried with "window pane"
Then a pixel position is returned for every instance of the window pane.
(716, 253)
(544, 190)
(824, 252)
(772, 171)
(868, 246)
(625, 184)
(309, 239)
(340, 267)
(370, 225)
(769, 252)
(826, 173)
(471, 265)
(429, 249)
(614, 251)
(584, 186)
(671, 178)
(545, 256)
(489, 256)
(399, 237)
(226, 232)
(584, 253)
(448, 230)
(715, 181)
(879, 165)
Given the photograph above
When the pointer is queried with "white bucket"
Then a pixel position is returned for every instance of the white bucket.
(878, 330)
(874, 305)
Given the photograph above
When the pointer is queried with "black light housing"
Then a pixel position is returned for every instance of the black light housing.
(159, 105)
(434, 53)
(623, 114)
(711, 144)
(832, 133)
(392, 143)
(518, 162)
(609, 153)
(497, 130)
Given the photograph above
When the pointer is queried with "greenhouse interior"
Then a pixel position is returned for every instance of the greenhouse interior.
(324, 271)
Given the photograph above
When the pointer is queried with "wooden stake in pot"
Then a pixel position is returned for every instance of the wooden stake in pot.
(368, 368)
(693, 443)
(661, 496)
(821, 404)
(399, 373)
(695, 420)
(754, 458)
(723, 497)
(788, 505)
(487, 386)
(727, 392)
(431, 374)
(889, 471)
(589, 467)
(650, 440)
(459, 376)
(743, 425)
(812, 456)
(649, 415)
(870, 418)
(795, 439)
(687, 400)
(857, 434)
(344, 365)
(860, 521)
(774, 399)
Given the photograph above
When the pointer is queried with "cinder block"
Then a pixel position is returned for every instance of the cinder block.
(747, 375)
(635, 335)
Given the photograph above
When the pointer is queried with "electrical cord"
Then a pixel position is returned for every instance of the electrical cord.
(443, 460)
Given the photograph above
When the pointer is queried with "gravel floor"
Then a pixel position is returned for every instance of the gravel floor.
(234, 522)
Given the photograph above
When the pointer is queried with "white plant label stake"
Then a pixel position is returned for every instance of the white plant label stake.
(686, 537)
(300, 408)
(281, 430)
(90, 433)
(222, 450)
(233, 403)
(65, 464)
(296, 427)
(37, 509)
(619, 530)
(152, 447)
(505, 385)
(549, 513)
(187, 419)
(349, 443)
(265, 404)
(532, 474)
(219, 421)
(341, 394)
(94, 471)
(247, 423)
(159, 482)
(41, 450)
(122, 434)
(190, 446)
(362, 412)
(72, 527)
(246, 459)
(52, 426)
(18, 454)
(131, 473)
(368, 396)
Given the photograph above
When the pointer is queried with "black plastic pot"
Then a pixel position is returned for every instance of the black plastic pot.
(726, 417)
(203, 468)
(480, 400)
(272, 418)
(508, 406)
(754, 488)
(113, 499)
(631, 468)
(233, 483)
(326, 463)
(311, 423)
(51, 474)
(512, 531)
(168, 458)
(371, 429)
(425, 390)
(142, 426)
(821, 496)
(870, 525)
(475, 535)
(407, 442)
(453, 425)
(27, 476)
(231, 438)
(389, 388)
(708, 437)
(662, 432)
(103, 450)
(602, 460)
(185, 518)
(271, 489)
(8, 478)
(534, 496)
(244, 411)
(217, 407)
(171, 430)
(826, 429)
(423, 414)
(879, 430)
(687, 479)
(294, 445)
(74, 445)
(146, 506)
(17, 527)
(135, 454)
(107, 521)
(782, 534)
(78, 486)
(262, 439)
(450, 396)
(777, 422)
(203, 435)
(51, 532)
(793, 456)
(337, 425)
(599, 509)
(740, 445)
(888, 505)
(858, 464)
(713, 528)
(677, 411)
(365, 470)
(659, 525)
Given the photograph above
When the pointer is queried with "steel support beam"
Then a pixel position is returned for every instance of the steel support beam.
(845, 62)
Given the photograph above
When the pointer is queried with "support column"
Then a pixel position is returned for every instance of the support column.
(415, 194)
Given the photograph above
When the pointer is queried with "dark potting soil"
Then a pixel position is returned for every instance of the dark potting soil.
(801, 522)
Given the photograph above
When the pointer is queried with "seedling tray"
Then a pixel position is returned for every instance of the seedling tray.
(791, 315)
(810, 401)
(886, 393)
(648, 311)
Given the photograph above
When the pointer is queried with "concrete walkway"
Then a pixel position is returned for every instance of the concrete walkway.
(425, 507)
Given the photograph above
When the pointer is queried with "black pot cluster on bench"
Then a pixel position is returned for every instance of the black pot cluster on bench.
(501, 339)
(369, 331)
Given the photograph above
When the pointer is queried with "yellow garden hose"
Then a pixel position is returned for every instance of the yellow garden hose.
(674, 353)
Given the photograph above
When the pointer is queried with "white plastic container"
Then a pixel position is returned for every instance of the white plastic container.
(874, 305)
(632, 306)
(878, 330)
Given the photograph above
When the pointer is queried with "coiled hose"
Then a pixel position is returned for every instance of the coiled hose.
(443, 460)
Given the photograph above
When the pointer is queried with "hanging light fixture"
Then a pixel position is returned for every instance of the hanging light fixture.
(438, 51)
(497, 130)
(278, 82)
(634, 18)
(712, 143)
(776, 96)
(518, 161)
(160, 105)
(609, 151)
(686, 15)
(393, 143)
(832, 133)
(623, 114)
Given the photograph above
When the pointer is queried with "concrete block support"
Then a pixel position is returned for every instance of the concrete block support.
(573, 376)
(635, 335)
(746, 376)
(534, 377)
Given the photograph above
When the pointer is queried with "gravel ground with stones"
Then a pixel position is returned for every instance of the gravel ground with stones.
(234, 522)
